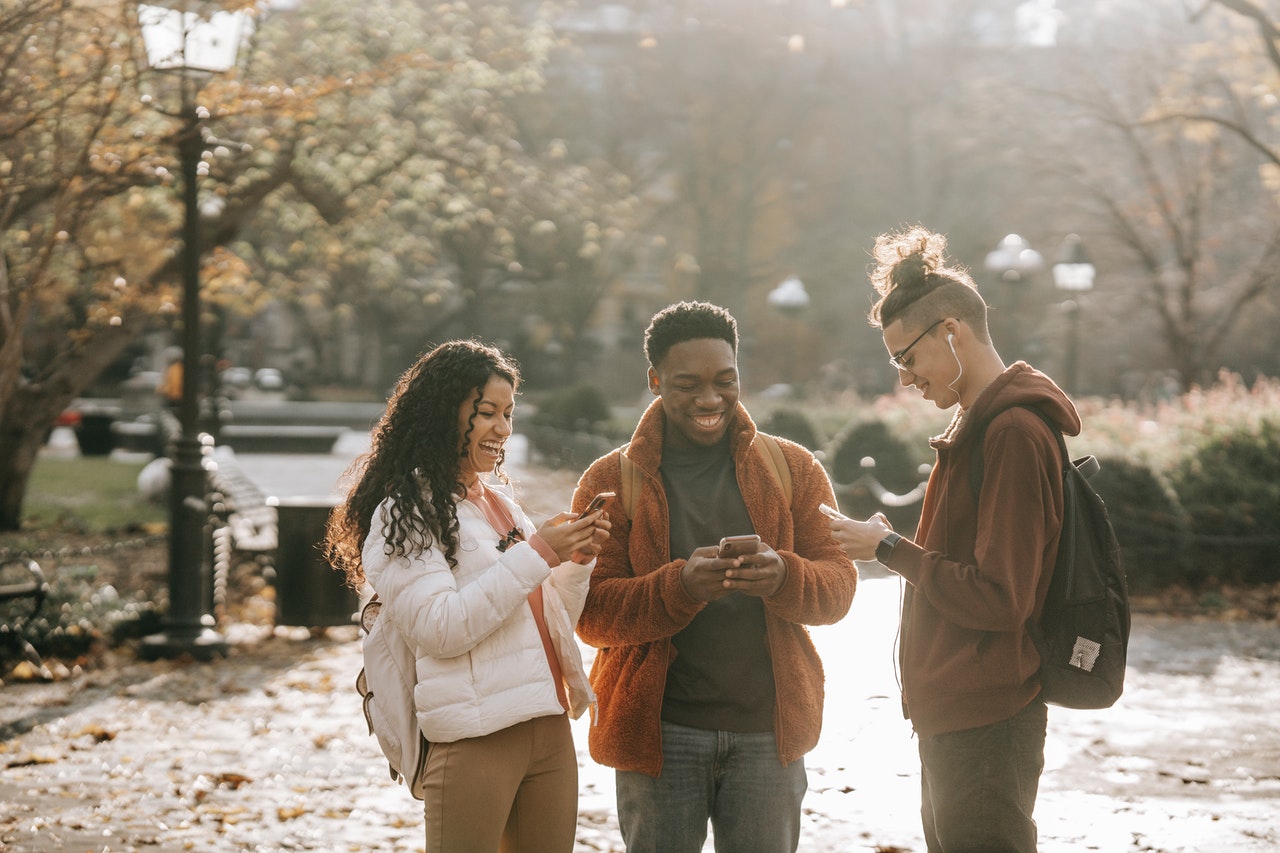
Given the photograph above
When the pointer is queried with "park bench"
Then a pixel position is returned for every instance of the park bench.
(250, 520)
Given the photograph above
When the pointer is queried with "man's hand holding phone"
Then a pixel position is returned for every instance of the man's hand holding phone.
(742, 563)
(738, 546)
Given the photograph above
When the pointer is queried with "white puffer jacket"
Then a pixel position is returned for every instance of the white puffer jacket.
(481, 666)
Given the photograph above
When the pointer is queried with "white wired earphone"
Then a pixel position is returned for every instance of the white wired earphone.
(951, 338)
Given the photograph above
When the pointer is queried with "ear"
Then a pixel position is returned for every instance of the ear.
(951, 328)
(653, 382)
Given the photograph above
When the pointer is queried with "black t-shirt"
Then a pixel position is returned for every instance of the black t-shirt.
(722, 675)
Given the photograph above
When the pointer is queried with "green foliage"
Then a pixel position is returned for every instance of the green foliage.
(894, 468)
(1192, 484)
(1149, 521)
(793, 424)
(893, 465)
(1230, 487)
(80, 615)
(578, 407)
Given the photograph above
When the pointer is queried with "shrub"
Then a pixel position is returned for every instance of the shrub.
(1230, 487)
(578, 407)
(894, 466)
(894, 469)
(81, 615)
(1150, 523)
(793, 424)
(570, 427)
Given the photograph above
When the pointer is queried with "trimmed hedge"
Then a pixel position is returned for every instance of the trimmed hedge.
(1230, 487)
(1149, 522)
(792, 424)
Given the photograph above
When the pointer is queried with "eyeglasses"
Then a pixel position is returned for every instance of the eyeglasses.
(897, 358)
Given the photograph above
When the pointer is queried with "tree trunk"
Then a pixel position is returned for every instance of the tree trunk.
(22, 433)
(31, 407)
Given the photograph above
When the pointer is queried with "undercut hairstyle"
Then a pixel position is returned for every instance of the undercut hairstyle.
(688, 321)
(917, 285)
(414, 458)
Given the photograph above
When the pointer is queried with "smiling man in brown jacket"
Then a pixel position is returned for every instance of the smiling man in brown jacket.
(709, 689)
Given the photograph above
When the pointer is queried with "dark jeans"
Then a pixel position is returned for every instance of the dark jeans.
(732, 779)
(978, 786)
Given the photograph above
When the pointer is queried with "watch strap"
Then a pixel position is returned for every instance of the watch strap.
(885, 549)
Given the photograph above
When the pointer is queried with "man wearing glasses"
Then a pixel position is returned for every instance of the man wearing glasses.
(978, 568)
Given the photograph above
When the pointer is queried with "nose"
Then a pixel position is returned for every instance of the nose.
(708, 398)
(905, 377)
(505, 427)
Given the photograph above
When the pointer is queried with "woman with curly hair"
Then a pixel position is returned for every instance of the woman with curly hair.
(487, 603)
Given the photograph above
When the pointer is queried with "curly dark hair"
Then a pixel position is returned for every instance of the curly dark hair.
(918, 286)
(687, 321)
(414, 460)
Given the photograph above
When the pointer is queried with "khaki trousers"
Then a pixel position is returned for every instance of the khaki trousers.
(513, 791)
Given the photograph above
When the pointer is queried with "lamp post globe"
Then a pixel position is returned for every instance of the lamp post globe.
(192, 40)
(789, 297)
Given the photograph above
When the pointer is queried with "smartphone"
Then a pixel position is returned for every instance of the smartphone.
(737, 546)
(831, 512)
(600, 501)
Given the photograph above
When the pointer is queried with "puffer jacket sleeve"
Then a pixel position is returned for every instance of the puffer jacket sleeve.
(422, 598)
(568, 579)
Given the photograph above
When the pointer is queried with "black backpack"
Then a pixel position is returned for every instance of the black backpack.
(1083, 635)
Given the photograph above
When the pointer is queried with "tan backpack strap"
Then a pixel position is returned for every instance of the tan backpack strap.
(631, 480)
(772, 453)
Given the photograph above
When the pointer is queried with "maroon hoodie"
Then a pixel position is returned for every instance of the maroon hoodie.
(978, 570)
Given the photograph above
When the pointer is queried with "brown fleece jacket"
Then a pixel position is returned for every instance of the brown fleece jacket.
(978, 570)
(636, 601)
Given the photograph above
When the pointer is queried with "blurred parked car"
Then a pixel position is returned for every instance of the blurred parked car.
(236, 379)
(269, 379)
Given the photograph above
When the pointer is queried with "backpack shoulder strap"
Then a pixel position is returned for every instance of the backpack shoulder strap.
(769, 449)
(772, 452)
(631, 478)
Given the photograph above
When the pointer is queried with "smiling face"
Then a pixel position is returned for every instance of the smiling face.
(698, 383)
(484, 425)
(927, 363)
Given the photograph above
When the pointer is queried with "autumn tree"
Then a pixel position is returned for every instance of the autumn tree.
(423, 200)
(349, 142)
(77, 233)
(1188, 238)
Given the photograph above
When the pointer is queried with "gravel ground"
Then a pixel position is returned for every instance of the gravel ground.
(266, 750)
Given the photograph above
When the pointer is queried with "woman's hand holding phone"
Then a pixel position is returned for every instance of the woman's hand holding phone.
(600, 527)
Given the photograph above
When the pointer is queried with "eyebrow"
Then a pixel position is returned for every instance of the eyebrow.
(728, 371)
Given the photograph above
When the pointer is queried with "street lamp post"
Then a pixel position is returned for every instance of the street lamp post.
(1073, 273)
(1014, 262)
(194, 46)
(789, 299)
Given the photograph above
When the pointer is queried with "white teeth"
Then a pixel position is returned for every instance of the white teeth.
(707, 422)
